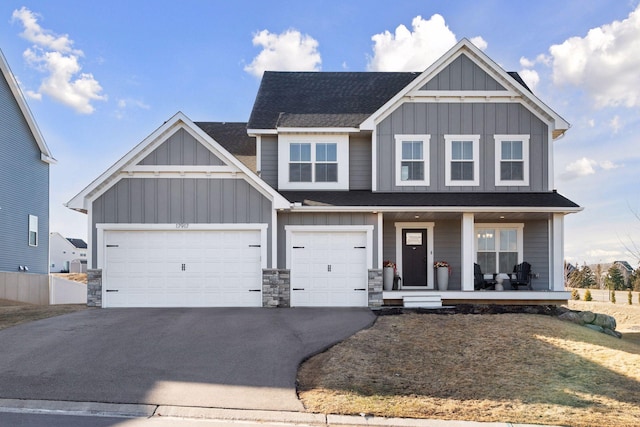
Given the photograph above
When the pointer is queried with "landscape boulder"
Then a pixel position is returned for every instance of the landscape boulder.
(596, 321)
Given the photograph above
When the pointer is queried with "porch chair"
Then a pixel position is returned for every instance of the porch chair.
(479, 282)
(523, 276)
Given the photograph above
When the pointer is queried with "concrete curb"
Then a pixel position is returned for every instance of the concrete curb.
(126, 410)
(157, 412)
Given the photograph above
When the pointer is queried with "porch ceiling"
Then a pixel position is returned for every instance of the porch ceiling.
(479, 217)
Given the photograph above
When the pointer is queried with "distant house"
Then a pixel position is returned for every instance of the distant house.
(626, 270)
(24, 183)
(64, 251)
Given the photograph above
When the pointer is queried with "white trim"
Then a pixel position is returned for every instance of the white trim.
(557, 254)
(464, 46)
(179, 121)
(551, 160)
(426, 150)
(428, 226)
(24, 109)
(282, 130)
(518, 226)
(256, 132)
(90, 239)
(380, 237)
(33, 228)
(526, 159)
(448, 143)
(506, 295)
(258, 154)
(102, 228)
(289, 229)
(274, 238)
(374, 160)
(464, 95)
(181, 168)
(467, 253)
(342, 151)
(181, 174)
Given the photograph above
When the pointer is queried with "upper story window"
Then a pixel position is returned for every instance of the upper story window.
(299, 162)
(33, 230)
(319, 162)
(412, 159)
(326, 162)
(462, 153)
(499, 247)
(512, 159)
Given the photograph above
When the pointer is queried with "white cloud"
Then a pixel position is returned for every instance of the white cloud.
(527, 63)
(591, 123)
(530, 77)
(414, 50)
(54, 55)
(604, 63)
(585, 167)
(288, 51)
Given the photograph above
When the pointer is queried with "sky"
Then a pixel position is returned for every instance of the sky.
(100, 76)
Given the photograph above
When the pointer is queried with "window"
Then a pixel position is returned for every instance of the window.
(313, 161)
(326, 162)
(300, 162)
(512, 159)
(33, 230)
(462, 153)
(498, 247)
(412, 159)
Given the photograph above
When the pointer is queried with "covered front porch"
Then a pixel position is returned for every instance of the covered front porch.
(497, 241)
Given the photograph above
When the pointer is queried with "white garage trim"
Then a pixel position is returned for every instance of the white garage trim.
(105, 230)
(331, 228)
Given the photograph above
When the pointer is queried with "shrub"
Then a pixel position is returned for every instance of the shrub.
(613, 296)
(587, 295)
(575, 295)
(629, 297)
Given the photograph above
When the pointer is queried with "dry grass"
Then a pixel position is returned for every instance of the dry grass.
(519, 368)
(13, 313)
(76, 277)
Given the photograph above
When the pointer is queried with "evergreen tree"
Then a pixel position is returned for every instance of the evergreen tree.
(599, 280)
(615, 279)
(613, 296)
(587, 295)
(588, 278)
(629, 297)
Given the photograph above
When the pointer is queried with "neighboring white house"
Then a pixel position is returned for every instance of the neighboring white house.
(65, 252)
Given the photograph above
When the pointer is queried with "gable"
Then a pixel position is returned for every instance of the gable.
(462, 74)
(181, 148)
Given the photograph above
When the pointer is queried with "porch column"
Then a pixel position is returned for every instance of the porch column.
(557, 253)
(467, 256)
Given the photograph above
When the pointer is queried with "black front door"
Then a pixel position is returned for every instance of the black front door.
(414, 257)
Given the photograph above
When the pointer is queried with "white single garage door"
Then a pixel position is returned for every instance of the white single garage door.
(329, 269)
(177, 268)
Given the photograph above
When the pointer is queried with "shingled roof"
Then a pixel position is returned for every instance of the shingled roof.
(326, 99)
(234, 138)
(323, 99)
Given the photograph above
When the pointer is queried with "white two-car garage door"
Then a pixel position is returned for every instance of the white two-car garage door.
(329, 268)
(178, 268)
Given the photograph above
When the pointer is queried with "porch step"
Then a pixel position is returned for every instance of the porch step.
(422, 301)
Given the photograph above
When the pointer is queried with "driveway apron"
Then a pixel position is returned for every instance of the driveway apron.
(244, 358)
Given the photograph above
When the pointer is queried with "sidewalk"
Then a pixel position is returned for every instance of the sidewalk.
(154, 415)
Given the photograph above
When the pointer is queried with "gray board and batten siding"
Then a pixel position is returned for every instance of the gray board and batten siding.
(181, 149)
(484, 119)
(359, 161)
(179, 201)
(323, 219)
(462, 74)
(24, 190)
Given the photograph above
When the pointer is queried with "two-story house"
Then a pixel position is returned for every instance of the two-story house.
(453, 164)
(24, 183)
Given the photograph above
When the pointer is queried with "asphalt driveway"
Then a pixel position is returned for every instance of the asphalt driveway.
(244, 358)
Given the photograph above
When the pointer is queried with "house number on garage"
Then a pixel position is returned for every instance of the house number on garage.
(182, 225)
